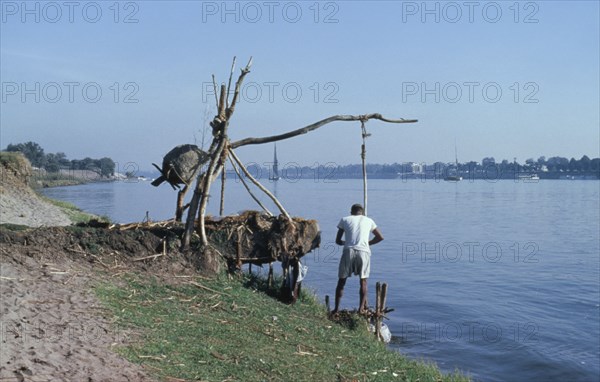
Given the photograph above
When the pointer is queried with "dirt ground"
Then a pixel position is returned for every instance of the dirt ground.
(52, 326)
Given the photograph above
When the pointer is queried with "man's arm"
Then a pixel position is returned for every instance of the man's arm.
(378, 237)
(338, 238)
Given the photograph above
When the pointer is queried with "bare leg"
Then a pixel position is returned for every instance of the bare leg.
(363, 295)
(339, 292)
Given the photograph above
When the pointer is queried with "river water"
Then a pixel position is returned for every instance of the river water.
(500, 280)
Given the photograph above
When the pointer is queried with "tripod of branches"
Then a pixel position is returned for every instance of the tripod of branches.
(221, 150)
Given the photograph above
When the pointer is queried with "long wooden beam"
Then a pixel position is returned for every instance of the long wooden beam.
(316, 125)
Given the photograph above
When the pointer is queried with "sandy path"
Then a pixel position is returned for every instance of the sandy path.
(53, 327)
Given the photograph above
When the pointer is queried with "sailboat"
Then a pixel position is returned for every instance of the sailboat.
(455, 177)
(275, 175)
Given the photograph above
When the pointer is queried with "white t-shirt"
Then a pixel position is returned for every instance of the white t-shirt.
(357, 231)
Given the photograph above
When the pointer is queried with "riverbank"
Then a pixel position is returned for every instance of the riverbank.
(21, 205)
(41, 178)
(99, 304)
(96, 303)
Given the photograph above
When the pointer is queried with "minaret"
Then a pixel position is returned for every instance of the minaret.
(275, 165)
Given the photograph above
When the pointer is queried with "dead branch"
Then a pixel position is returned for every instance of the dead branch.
(316, 125)
(207, 180)
(149, 257)
(238, 85)
(215, 91)
(248, 188)
(260, 186)
(229, 82)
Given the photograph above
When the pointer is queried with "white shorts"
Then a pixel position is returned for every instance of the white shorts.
(356, 262)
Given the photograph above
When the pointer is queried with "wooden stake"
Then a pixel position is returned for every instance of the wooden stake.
(383, 298)
(239, 250)
(327, 304)
(377, 310)
(270, 278)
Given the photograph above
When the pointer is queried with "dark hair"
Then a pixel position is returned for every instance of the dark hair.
(357, 209)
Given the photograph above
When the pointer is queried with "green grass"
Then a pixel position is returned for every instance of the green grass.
(75, 214)
(14, 227)
(242, 333)
(15, 159)
(54, 179)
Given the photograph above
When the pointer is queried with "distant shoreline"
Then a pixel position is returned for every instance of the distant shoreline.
(41, 178)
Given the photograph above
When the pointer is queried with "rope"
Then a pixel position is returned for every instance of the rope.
(363, 155)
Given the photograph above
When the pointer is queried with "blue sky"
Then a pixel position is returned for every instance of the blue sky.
(501, 79)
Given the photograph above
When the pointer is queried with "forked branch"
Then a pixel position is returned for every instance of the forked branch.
(316, 125)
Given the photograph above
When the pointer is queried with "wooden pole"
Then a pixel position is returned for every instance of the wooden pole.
(363, 155)
(260, 186)
(239, 250)
(223, 178)
(316, 125)
(364, 172)
(248, 188)
(383, 298)
(180, 198)
(377, 310)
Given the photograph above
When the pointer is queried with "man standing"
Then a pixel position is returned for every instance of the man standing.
(356, 257)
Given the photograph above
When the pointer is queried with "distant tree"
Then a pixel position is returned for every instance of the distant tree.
(62, 160)
(595, 165)
(584, 163)
(558, 164)
(488, 161)
(471, 166)
(32, 151)
(106, 166)
(52, 163)
(52, 167)
(574, 165)
(87, 163)
(530, 163)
